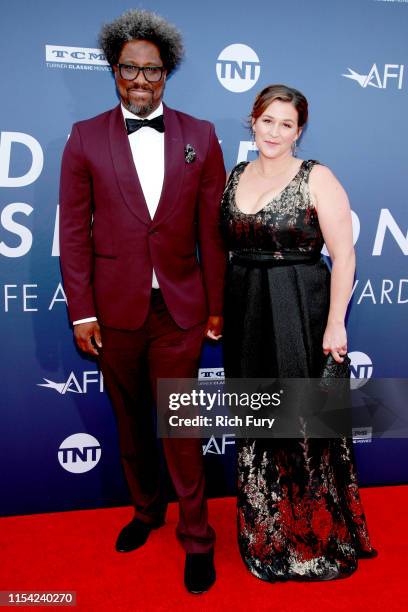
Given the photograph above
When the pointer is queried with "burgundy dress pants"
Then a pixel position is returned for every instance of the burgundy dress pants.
(130, 361)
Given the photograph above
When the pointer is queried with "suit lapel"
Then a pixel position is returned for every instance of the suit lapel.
(174, 165)
(125, 170)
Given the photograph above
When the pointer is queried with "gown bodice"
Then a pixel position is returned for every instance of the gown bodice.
(286, 228)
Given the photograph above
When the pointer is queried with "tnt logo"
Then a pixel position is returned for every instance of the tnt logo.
(361, 369)
(79, 453)
(238, 68)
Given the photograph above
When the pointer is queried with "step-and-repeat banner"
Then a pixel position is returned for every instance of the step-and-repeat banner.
(58, 447)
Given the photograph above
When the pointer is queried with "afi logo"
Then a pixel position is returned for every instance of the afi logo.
(361, 369)
(79, 453)
(213, 448)
(238, 68)
(378, 79)
(73, 385)
(211, 374)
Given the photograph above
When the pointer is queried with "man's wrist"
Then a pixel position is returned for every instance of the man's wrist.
(87, 320)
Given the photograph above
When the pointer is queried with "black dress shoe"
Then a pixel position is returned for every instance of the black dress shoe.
(134, 535)
(199, 572)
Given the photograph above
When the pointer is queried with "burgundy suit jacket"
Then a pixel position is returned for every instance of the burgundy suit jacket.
(109, 243)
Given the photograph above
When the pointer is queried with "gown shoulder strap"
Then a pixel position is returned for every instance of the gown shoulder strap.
(236, 171)
(308, 164)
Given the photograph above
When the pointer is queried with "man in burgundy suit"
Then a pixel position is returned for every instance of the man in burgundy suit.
(140, 190)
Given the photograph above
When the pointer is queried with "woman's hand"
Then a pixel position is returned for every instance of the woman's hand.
(335, 341)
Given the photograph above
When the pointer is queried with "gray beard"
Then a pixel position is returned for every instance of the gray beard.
(141, 110)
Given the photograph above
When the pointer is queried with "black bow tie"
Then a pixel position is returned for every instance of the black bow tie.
(157, 123)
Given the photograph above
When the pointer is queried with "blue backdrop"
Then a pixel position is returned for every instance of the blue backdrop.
(58, 446)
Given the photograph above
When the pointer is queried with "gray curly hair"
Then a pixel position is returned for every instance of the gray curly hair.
(138, 24)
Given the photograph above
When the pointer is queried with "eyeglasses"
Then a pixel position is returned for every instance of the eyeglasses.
(153, 74)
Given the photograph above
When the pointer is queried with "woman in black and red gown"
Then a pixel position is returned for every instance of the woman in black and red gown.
(299, 511)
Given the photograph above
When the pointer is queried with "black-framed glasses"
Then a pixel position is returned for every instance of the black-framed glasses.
(153, 74)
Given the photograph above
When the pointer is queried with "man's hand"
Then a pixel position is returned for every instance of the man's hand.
(88, 337)
(214, 328)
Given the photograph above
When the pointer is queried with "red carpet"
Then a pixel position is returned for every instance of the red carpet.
(75, 551)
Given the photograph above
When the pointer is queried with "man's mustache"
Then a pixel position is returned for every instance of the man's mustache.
(140, 89)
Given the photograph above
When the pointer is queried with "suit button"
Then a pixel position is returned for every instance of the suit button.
(153, 231)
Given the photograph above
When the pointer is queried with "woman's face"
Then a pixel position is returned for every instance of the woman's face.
(277, 129)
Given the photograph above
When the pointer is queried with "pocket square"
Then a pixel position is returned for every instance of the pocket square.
(189, 153)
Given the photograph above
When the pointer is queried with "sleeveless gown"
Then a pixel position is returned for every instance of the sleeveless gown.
(299, 511)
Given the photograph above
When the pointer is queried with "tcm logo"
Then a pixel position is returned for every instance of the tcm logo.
(361, 369)
(74, 55)
(238, 68)
(212, 447)
(377, 78)
(79, 453)
(211, 374)
(75, 384)
(362, 435)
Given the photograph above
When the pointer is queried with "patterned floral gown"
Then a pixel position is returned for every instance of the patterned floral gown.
(299, 511)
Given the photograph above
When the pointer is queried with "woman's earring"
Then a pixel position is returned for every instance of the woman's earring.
(294, 148)
(253, 137)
